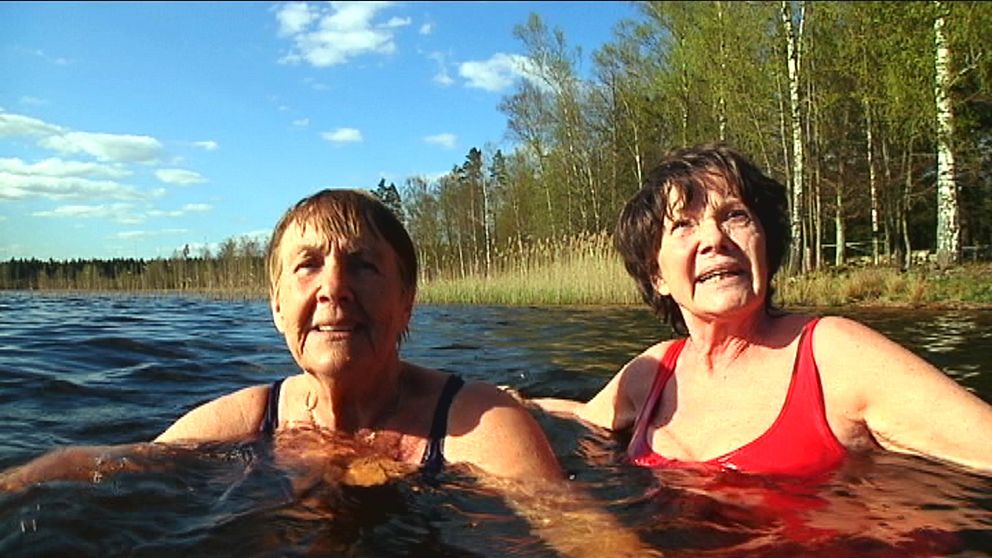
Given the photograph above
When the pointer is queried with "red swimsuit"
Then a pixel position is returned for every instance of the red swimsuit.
(799, 442)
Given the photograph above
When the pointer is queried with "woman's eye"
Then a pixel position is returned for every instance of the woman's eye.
(306, 265)
(738, 215)
(678, 224)
(362, 263)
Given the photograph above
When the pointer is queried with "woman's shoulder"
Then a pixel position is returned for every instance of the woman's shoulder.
(231, 416)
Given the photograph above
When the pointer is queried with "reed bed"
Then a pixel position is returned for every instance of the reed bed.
(583, 270)
(586, 270)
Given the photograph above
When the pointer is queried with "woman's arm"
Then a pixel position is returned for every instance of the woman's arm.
(491, 430)
(615, 407)
(905, 403)
(231, 417)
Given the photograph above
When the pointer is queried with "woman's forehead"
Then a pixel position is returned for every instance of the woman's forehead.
(311, 234)
(708, 189)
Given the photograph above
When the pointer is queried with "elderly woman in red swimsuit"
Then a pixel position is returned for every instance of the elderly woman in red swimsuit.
(748, 387)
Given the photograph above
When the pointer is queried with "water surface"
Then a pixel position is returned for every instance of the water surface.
(88, 369)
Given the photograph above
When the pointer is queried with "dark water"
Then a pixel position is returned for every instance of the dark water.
(80, 369)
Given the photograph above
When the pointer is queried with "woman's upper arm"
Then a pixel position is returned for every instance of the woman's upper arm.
(492, 431)
(616, 406)
(907, 404)
(230, 417)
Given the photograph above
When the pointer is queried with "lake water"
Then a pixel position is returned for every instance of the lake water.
(84, 369)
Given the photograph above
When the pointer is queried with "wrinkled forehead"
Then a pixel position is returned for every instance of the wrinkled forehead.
(696, 191)
(315, 231)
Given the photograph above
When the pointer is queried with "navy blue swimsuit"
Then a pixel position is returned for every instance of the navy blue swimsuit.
(433, 460)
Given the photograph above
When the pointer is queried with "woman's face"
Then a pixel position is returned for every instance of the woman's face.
(341, 303)
(712, 256)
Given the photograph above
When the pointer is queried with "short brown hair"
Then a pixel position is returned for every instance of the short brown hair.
(346, 214)
(640, 227)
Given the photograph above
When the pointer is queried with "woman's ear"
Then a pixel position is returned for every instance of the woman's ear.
(276, 314)
(660, 285)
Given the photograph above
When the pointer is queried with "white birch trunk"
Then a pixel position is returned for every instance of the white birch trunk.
(948, 224)
(798, 175)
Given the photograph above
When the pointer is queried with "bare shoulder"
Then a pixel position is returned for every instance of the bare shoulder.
(229, 417)
(845, 345)
(493, 431)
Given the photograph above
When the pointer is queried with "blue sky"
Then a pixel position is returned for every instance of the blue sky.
(133, 129)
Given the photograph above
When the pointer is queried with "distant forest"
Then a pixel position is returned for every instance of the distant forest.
(876, 115)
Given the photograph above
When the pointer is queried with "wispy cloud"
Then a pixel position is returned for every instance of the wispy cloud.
(21, 125)
(20, 186)
(498, 73)
(343, 135)
(32, 101)
(122, 148)
(57, 60)
(207, 145)
(426, 29)
(61, 168)
(119, 212)
(184, 210)
(445, 140)
(301, 122)
(131, 235)
(181, 177)
(106, 147)
(327, 35)
(441, 77)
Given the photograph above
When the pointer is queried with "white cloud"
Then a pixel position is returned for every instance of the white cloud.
(343, 135)
(331, 34)
(207, 145)
(123, 148)
(106, 147)
(446, 141)
(497, 73)
(179, 176)
(20, 186)
(301, 122)
(396, 22)
(426, 29)
(119, 212)
(294, 17)
(60, 168)
(20, 125)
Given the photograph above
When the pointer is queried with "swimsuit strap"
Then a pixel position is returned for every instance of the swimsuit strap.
(433, 460)
(271, 419)
(639, 444)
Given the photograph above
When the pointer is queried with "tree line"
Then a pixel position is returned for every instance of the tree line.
(876, 115)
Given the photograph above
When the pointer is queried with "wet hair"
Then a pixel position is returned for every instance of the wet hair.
(345, 214)
(641, 224)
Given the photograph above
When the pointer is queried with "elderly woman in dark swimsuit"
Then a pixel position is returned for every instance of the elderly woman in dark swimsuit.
(747, 387)
(342, 277)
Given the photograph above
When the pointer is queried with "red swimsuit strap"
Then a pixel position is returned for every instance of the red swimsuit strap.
(638, 442)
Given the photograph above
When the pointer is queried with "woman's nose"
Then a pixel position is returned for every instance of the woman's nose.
(333, 282)
(712, 236)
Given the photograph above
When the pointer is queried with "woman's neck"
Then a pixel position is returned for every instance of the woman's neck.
(717, 343)
(350, 406)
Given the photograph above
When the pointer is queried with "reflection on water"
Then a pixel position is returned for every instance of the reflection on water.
(79, 369)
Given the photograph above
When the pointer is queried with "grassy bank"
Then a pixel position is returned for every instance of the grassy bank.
(589, 272)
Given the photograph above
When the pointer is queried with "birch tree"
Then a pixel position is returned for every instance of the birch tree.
(948, 225)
